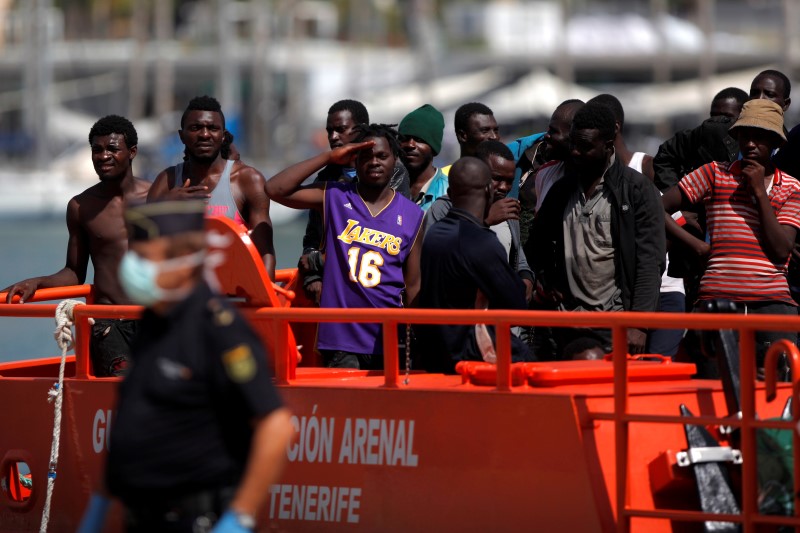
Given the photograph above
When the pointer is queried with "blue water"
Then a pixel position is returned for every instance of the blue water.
(38, 247)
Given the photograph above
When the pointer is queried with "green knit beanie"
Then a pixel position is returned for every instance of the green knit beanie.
(426, 123)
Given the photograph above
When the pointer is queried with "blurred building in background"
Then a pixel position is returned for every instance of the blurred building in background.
(277, 65)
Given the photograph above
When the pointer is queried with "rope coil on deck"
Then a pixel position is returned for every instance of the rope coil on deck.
(63, 336)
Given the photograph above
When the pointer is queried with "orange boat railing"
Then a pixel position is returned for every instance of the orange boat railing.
(746, 325)
(57, 293)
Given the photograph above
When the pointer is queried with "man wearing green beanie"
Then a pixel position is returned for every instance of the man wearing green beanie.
(421, 134)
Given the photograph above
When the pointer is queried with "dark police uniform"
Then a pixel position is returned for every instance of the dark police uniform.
(461, 256)
(181, 438)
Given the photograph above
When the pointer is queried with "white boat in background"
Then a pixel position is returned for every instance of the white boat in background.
(36, 193)
(45, 193)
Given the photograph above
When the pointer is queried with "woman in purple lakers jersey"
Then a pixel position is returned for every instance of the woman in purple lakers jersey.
(372, 240)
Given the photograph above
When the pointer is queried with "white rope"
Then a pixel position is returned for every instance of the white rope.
(63, 336)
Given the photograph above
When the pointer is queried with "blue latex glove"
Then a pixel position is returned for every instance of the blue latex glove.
(229, 524)
(94, 517)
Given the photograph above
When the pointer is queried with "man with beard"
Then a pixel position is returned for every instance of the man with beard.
(421, 134)
(673, 295)
(97, 231)
(372, 241)
(597, 243)
(229, 187)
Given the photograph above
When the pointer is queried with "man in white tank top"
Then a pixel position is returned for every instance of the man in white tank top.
(229, 188)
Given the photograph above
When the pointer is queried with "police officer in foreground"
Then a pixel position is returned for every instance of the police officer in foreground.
(200, 433)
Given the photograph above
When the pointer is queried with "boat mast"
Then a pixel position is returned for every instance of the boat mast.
(165, 61)
(228, 82)
(791, 36)
(137, 65)
(261, 98)
(38, 98)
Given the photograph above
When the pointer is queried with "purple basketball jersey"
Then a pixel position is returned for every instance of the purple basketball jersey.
(364, 258)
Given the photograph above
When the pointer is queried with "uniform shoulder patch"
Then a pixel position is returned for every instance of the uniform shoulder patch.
(240, 363)
(220, 315)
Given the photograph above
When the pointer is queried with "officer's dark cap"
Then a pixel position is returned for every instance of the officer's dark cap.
(164, 219)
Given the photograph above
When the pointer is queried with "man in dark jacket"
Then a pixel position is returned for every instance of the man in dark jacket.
(597, 243)
(693, 148)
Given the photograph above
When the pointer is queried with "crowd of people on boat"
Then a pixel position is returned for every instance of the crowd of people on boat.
(570, 219)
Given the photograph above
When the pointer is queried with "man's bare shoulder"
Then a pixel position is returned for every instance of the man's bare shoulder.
(141, 184)
(244, 172)
(74, 205)
(89, 192)
(137, 190)
(93, 204)
(162, 183)
(166, 174)
(249, 181)
(96, 193)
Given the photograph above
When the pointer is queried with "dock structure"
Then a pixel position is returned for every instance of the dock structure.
(279, 60)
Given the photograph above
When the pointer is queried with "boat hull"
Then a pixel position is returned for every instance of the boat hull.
(437, 455)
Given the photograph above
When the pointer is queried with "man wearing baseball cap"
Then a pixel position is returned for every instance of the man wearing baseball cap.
(421, 134)
(753, 214)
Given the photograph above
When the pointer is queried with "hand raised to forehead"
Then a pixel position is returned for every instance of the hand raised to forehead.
(344, 155)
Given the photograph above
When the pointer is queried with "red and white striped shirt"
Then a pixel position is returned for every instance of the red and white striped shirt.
(738, 268)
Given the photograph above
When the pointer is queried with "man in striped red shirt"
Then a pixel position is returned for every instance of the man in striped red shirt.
(753, 212)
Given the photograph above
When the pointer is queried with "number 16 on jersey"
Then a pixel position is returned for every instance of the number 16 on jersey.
(365, 271)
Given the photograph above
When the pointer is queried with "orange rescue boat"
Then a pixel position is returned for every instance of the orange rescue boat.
(574, 446)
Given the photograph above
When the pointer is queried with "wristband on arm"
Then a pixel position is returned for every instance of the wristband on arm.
(678, 217)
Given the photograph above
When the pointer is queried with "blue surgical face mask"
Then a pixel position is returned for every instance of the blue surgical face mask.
(138, 277)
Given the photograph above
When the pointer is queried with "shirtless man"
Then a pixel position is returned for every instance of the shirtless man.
(243, 200)
(97, 230)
